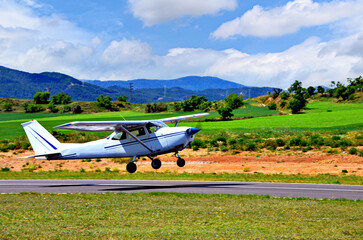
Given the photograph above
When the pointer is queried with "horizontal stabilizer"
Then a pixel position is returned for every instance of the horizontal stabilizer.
(46, 155)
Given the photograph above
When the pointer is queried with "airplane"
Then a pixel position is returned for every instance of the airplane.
(134, 139)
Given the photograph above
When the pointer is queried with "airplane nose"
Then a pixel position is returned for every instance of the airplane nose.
(193, 131)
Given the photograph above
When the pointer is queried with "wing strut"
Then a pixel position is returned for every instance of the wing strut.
(134, 137)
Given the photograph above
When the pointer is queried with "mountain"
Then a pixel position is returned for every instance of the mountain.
(19, 84)
(195, 83)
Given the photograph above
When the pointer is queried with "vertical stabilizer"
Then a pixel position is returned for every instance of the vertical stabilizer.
(40, 139)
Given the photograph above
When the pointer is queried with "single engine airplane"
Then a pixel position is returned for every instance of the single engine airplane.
(129, 139)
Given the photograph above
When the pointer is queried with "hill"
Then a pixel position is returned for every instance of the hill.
(195, 83)
(19, 84)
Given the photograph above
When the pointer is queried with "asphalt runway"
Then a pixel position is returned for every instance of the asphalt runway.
(207, 187)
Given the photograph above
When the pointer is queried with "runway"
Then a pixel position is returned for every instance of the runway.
(208, 187)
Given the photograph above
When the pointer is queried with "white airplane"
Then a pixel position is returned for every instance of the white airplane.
(129, 139)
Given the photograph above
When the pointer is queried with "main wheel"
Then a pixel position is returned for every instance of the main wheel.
(180, 162)
(156, 163)
(131, 167)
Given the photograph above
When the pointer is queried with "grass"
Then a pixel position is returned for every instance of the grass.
(239, 177)
(319, 116)
(176, 216)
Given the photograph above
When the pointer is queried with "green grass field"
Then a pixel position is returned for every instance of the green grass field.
(176, 216)
(238, 177)
(319, 116)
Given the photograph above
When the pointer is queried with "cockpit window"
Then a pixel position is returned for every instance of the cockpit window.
(119, 136)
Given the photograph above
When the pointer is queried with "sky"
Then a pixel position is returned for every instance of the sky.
(255, 43)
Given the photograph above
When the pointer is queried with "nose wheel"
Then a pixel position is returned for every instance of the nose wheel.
(180, 162)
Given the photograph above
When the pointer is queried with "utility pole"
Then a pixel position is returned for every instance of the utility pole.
(131, 88)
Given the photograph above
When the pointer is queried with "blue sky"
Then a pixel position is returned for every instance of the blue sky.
(257, 43)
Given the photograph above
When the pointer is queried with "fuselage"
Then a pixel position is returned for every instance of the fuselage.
(117, 145)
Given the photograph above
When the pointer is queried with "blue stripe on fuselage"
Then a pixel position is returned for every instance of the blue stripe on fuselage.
(146, 140)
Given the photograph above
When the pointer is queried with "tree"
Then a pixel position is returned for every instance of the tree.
(192, 103)
(295, 86)
(122, 98)
(225, 112)
(284, 95)
(104, 101)
(310, 91)
(234, 101)
(320, 89)
(277, 92)
(41, 97)
(294, 105)
(7, 107)
(61, 98)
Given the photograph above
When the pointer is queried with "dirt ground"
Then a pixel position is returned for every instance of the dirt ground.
(312, 162)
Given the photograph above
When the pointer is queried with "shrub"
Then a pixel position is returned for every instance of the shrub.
(7, 107)
(115, 170)
(224, 149)
(283, 104)
(331, 151)
(251, 147)
(335, 138)
(66, 108)
(270, 144)
(246, 168)
(76, 109)
(155, 107)
(344, 171)
(272, 106)
(222, 139)
(82, 170)
(344, 144)
(284, 95)
(280, 142)
(52, 108)
(232, 141)
(122, 98)
(107, 169)
(353, 151)
(361, 153)
(197, 143)
(104, 101)
(32, 108)
(5, 169)
(295, 141)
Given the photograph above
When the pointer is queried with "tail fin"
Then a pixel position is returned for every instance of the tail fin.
(40, 139)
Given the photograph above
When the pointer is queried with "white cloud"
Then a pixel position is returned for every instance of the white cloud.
(51, 43)
(153, 12)
(264, 22)
(312, 62)
(126, 52)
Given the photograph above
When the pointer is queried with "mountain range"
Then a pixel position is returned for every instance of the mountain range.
(20, 84)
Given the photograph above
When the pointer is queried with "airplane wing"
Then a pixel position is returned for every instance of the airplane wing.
(119, 125)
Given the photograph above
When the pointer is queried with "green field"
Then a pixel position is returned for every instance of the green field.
(238, 177)
(319, 116)
(176, 216)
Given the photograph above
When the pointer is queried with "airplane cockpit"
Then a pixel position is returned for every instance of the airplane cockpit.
(139, 131)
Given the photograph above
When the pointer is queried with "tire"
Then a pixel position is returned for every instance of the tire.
(156, 163)
(180, 162)
(131, 167)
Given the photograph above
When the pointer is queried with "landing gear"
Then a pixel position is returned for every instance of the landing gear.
(131, 167)
(156, 163)
(180, 162)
